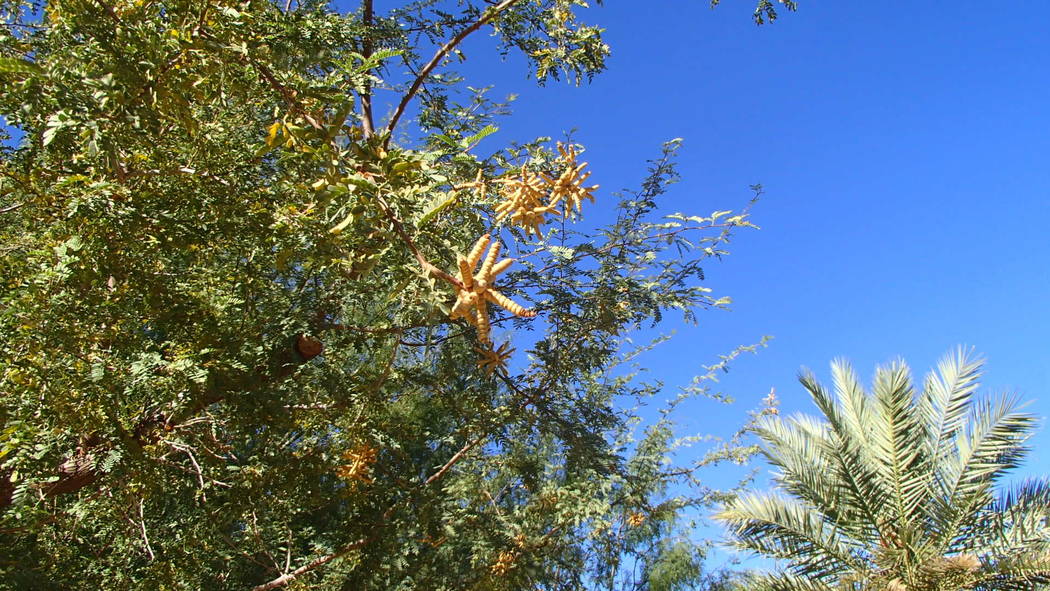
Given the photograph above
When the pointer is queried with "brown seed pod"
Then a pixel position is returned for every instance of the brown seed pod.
(308, 347)
(359, 464)
(494, 360)
(523, 201)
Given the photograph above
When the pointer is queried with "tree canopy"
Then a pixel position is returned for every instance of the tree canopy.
(255, 337)
(896, 489)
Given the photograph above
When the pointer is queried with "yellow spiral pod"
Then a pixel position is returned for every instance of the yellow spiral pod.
(509, 304)
(475, 252)
(482, 322)
(465, 276)
(490, 260)
(501, 267)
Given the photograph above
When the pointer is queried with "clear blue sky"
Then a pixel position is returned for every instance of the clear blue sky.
(903, 149)
(904, 157)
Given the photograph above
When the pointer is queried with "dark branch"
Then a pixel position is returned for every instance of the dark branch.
(367, 121)
(443, 52)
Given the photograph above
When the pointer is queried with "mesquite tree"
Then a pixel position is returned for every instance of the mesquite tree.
(254, 336)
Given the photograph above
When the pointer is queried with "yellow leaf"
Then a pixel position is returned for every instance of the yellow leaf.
(343, 224)
(271, 137)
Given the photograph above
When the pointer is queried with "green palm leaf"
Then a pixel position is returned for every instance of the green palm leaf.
(896, 490)
(991, 444)
(1017, 521)
(785, 528)
(784, 582)
(857, 473)
(945, 399)
(897, 439)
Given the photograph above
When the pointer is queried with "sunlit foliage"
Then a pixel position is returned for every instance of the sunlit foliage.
(233, 352)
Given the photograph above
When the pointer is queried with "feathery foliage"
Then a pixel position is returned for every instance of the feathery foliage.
(232, 355)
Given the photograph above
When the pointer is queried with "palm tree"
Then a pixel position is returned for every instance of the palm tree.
(895, 490)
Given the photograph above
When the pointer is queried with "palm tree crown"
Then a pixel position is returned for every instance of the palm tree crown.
(894, 489)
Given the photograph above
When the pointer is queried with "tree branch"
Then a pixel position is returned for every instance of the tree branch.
(145, 537)
(427, 266)
(289, 96)
(367, 122)
(309, 566)
(79, 470)
(443, 52)
(289, 577)
(455, 459)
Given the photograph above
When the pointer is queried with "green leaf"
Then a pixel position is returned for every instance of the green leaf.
(10, 65)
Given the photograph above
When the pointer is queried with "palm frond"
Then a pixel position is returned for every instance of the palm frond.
(798, 447)
(945, 398)
(783, 582)
(893, 490)
(1019, 572)
(898, 440)
(994, 441)
(786, 528)
(855, 470)
(854, 409)
(1017, 521)
(990, 445)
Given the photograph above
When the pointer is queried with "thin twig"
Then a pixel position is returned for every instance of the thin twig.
(178, 466)
(455, 459)
(309, 566)
(182, 170)
(109, 11)
(193, 460)
(385, 330)
(427, 266)
(289, 577)
(25, 184)
(233, 545)
(22, 26)
(262, 544)
(288, 544)
(289, 96)
(155, 79)
(490, 14)
(367, 122)
(145, 538)
(318, 406)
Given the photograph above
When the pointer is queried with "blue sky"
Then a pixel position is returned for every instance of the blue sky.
(903, 154)
(903, 150)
